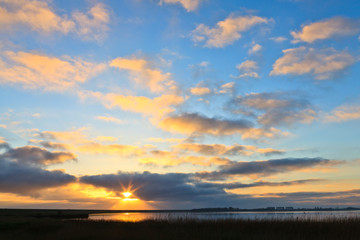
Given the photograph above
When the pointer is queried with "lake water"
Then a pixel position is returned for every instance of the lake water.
(135, 217)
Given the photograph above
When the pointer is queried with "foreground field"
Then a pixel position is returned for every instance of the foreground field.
(33, 228)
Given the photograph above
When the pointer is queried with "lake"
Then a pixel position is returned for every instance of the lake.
(136, 217)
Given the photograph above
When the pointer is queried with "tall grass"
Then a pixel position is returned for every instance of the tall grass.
(181, 228)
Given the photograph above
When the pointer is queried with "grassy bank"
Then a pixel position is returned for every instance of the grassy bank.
(54, 229)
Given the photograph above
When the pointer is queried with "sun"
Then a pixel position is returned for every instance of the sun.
(127, 194)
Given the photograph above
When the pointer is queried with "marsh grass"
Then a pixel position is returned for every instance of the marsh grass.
(183, 228)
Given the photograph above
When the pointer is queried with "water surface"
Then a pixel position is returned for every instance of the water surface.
(136, 217)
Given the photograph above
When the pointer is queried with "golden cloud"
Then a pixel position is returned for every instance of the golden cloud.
(34, 70)
(225, 32)
(336, 26)
(322, 64)
(143, 74)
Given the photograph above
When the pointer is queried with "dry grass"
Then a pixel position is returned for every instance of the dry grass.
(55, 229)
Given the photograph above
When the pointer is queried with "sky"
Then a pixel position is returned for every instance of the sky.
(179, 104)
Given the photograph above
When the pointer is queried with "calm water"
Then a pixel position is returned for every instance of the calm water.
(135, 217)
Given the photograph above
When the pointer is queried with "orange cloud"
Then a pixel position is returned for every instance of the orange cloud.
(106, 139)
(94, 23)
(108, 118)
(77, 141)
(225, 32)
(344, 113)
(200, 91)
(336, 26)
(322, 64)
(34, 70)
(143, 74)
(156, 107)
(40, 17)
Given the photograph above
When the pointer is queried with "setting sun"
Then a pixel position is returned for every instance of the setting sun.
(127, 194)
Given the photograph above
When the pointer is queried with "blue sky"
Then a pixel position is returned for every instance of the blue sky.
(184, 103)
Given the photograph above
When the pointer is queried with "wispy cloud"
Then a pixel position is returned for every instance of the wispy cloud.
(344, 113)
(247, 69)
(156, 108)
(189, 5)
(109, 118)
(257, 169)
(224, 150)
(225, 32)
(275, 108)
(321, 64)
(143, 74)
(78, 142)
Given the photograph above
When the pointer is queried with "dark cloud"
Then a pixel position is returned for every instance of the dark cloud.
(177, 189)
(21, 169)
(36, 155)
(269, 167)
(153, 186)
(275, 108)
(25, 179)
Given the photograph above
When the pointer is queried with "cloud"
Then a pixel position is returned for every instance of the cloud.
(193, 123)
(333, 27)
(32, 155)
(224, 150)
(344, 113)
(156, 107)
(189, 123)
(166, 140)
(34, 70)
(180, 190)
(278, 39)
(106, 139)
(227, 88)
(78, 142)
(247, 69)
(321, 64)
(169, 158)
(38, 16)
(255, 48)
(275, 108)
(152, 186)
(112, 149)
(109, 118)
(199, 91)
(21, 172)
(25, 179)
(93, 24)
(258, 169)
(144, 75)
(189, 5)
(225, 32)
